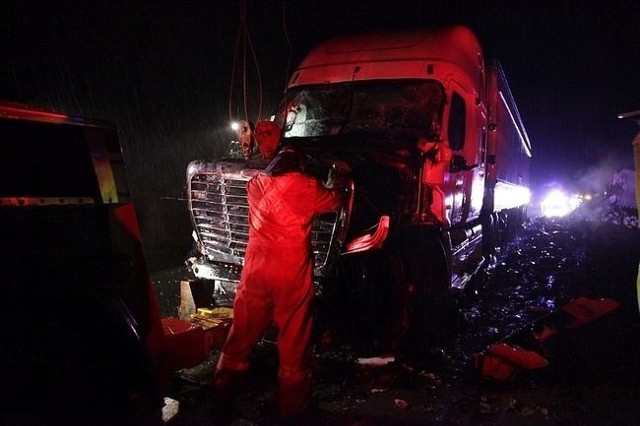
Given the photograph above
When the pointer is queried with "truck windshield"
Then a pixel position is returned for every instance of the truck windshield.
(411, 108)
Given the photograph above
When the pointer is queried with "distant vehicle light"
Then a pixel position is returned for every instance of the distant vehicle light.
(235, 126)
(559, 204)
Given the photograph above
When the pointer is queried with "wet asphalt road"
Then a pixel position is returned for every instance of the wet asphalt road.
(593, 372)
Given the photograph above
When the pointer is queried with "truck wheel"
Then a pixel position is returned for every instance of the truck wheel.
(428, 300)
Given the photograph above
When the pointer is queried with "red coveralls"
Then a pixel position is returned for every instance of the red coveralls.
(276, 283)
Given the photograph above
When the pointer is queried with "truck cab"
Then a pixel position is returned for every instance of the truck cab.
(423, 136)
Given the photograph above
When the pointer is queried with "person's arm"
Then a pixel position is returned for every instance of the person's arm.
(255, 190)
(326, 200)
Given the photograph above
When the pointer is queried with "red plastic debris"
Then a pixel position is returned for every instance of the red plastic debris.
(520, 357)
(544, 333)
(584, 309)
(184, 343)
(502, 361)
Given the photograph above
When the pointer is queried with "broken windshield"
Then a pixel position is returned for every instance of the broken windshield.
(402, 108)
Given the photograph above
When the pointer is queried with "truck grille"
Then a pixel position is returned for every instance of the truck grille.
(220, 211)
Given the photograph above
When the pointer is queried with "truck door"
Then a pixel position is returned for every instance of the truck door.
(465, 134)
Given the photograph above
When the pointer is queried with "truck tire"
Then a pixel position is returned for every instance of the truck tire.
(428, 302)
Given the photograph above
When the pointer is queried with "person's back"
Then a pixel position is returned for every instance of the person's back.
(282, 208)
(276, 282)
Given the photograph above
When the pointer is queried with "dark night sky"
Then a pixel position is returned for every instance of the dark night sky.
(160, 70)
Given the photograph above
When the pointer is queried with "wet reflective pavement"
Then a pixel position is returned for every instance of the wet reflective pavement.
(593, 368)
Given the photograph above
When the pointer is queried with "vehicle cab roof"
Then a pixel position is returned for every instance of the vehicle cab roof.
(409, 54)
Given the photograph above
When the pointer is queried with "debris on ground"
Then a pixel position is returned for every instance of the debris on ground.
(556, 268)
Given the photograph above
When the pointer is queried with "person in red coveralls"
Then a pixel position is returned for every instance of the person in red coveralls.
(276, 281)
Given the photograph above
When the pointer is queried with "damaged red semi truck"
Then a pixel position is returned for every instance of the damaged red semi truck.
(424, 138)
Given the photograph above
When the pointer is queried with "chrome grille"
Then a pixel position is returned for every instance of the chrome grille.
(220, 210)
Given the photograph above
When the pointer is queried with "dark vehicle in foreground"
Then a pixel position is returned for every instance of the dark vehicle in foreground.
(81, 338)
